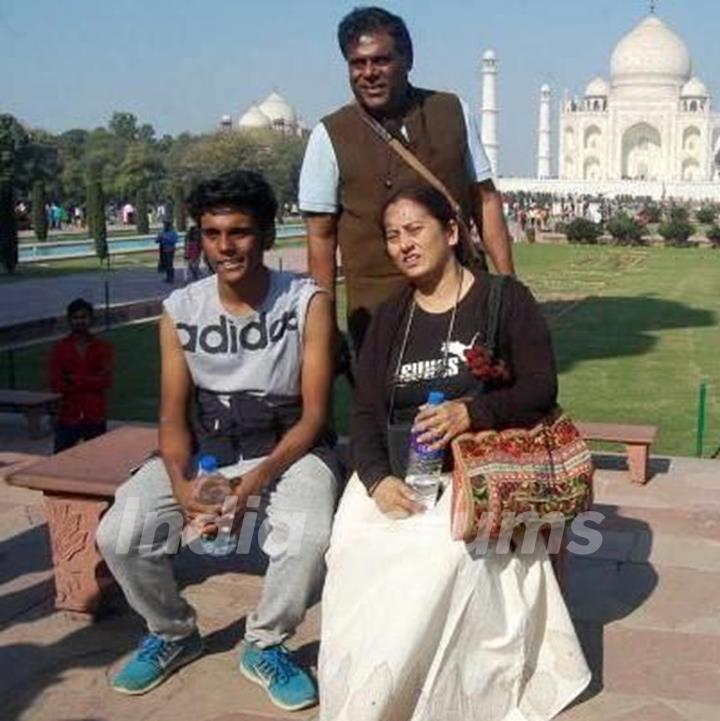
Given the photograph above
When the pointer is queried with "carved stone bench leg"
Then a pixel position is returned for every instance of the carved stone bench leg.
(80, 572)
(638, 462)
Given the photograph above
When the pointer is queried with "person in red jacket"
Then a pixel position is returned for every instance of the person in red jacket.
(81, 368)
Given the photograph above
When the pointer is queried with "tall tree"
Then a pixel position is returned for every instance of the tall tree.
(96, 218)
(141, 168)
(39, 212)
(8, 227)
(179, 209)
(13, 140)
(141, 212)
(124, 126)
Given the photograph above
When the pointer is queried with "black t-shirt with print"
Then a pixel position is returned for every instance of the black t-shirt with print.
(423, 368)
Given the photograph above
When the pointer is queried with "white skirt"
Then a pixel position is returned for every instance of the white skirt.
(415, 629)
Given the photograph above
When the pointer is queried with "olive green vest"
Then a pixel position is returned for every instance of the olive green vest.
(371, 172)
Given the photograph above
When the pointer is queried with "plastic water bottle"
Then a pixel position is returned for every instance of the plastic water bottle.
(425, 466)
(212, 488)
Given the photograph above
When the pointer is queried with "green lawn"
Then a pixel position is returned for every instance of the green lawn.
(635, 331)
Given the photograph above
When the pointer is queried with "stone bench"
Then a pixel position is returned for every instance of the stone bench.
(636, 439)
(34, 404)
(78, 485)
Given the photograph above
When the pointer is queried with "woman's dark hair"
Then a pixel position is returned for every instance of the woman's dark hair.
(369, 20)
(243, 190)
(439, 207)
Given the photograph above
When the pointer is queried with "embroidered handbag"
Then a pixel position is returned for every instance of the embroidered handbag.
(545, 471)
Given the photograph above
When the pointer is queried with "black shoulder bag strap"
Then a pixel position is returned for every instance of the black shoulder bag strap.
(426, 174)
(494, 305)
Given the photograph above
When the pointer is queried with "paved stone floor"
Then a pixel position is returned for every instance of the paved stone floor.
(646, 605)
(43, 299)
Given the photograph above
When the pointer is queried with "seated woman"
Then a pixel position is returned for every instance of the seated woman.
(416, 626)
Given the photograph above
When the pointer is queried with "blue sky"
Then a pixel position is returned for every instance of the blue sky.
(181, 64)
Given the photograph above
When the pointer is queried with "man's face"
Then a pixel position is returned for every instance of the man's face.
(233, 243)
(378, 72)
(80, 322)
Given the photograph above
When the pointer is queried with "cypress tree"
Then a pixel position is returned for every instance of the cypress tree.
(141, 212)
(39, 215)
(8, 227)
(179, 207)
(90, 204)
(98, 229)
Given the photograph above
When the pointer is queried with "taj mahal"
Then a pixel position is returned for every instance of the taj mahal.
(274, 113)
(646, 130)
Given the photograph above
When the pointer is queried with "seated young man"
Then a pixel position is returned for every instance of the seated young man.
(251, 348)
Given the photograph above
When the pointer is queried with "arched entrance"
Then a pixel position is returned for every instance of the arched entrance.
(642, 153)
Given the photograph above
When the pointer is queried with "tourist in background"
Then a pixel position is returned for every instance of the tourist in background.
(81, 370)
(167, 240)
(193, 252)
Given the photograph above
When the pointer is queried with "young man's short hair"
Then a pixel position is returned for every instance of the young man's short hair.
(78, 305)
(370, 20)
(243, 190)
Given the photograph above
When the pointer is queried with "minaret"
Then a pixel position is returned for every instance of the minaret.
(490, 108)
(543, 156)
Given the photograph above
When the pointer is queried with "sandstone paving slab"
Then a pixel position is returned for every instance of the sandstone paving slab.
(684, 600)
(694, 711)
(655, 711)
(678, 521)
(640, 622)
(690, 483)
(76, 659)
(667, 550)
(664, 665)
(606, 706)
(605, 591)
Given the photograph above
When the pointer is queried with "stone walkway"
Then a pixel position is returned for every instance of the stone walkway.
(646, 606)
(26, 300)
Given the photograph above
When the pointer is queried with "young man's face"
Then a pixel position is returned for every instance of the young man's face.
(378, 72)
(233, 243)
(80, 322)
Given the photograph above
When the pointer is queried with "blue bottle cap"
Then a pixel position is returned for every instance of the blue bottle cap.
(436, 398)
(207, 463)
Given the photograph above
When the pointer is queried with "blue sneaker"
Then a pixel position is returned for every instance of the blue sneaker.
(154, 661)
(287, 684)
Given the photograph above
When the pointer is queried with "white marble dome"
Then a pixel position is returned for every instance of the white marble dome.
(597, 88)
(254, 118)
(278, 109)
(694, 88)
(650, 54)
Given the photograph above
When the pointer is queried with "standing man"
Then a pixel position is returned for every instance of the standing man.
(81, 369)
(349, 173)
(167, 239)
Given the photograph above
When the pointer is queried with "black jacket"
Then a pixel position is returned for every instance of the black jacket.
(524, 344)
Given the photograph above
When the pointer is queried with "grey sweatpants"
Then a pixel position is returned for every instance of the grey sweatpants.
(291, 520)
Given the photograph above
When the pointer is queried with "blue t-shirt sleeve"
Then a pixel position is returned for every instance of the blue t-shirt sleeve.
(476, 160)
(319, 175)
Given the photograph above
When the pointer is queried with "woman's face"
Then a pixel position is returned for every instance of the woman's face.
(416, 241)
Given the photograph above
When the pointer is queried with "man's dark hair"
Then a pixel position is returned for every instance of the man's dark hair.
(78, 305)
(369, 20)
(243, 190)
